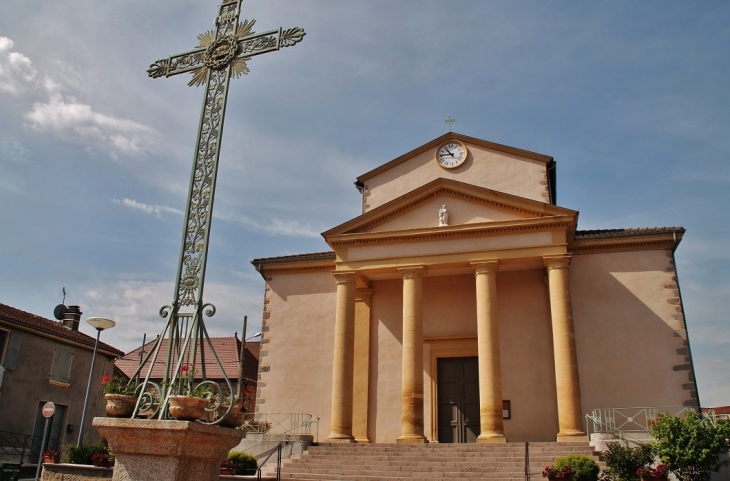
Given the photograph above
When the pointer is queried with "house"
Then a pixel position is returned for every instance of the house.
(228, 350)
(465, 305)
(44, 360)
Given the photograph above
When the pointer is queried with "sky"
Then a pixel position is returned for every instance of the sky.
(630, 98)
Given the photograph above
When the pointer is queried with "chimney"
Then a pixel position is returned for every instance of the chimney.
(72, 318)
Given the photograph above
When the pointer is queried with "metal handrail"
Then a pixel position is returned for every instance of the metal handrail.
(16, 444)
(278, 462)
(527, 461)
(633, 419)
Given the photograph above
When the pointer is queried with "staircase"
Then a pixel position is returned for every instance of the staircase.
(399, 462)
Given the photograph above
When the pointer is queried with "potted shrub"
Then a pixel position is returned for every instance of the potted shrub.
(647, 473)
(622, 462)
(119, 395)
(51, 456)
(552, 473)
(101, 459)
(83, 454)
(245, 463)
(582, 467)
(228, 467)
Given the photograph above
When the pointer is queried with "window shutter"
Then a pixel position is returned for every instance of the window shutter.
(13, 351)
(61, 368)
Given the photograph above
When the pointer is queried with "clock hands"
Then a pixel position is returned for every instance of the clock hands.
(448, 152)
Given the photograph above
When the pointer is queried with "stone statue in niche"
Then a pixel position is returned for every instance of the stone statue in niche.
(443, 216)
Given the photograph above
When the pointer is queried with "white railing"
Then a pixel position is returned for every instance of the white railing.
(275, 424)
(633, 420)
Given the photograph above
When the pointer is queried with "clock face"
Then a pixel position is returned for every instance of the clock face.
(451, 155)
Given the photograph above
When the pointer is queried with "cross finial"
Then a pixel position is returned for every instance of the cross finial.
(449, 121)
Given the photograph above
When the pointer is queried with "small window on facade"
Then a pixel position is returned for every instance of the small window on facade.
(61, 368)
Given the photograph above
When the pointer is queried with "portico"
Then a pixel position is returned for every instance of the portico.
(535, 239)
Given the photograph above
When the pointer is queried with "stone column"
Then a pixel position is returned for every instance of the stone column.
(490, 368)
(567, 382)
(412, 367)
(342, 364)
(361, 371)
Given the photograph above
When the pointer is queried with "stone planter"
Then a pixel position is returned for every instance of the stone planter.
(119, 405)
(187, 408)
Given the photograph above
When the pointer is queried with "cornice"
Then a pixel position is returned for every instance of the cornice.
(623, 244)
(300, 267)
(461, 231)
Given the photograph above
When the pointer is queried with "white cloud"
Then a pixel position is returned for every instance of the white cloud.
(155, 210)
(13, 150)
(17, 74)
(276, 227)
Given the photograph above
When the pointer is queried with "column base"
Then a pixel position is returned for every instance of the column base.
(340, 438)
(491, 439)
(412, 439)
(575, 438)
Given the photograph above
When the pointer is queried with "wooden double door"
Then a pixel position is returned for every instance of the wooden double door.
(458, 400)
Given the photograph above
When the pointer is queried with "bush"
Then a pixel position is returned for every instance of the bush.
(623, 461)
(245, 463)
(691, 446)
(82, 454)
(583, 467)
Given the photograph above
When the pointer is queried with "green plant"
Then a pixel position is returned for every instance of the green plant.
(623, 461)
(183, 386)
(83, 454)
(583, 467)
(691, 446)
(118, 385)
(553, 472)
(245, 463)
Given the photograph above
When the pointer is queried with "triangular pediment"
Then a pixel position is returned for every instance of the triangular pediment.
(465, 204)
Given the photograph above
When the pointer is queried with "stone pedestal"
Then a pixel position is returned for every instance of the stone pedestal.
(151, 450)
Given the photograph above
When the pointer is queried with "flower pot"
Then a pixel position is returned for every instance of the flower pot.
(560, 478)
(102, 463)
(233, 419)
(119, 405)
(51, 459)
(228, 471)
(187, 408)
(654, 478)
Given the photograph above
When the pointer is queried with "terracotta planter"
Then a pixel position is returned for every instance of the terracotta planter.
(187, 408)
(119, 405)
(102, 464)
(51, 460)
(233, 419)
(228, 471)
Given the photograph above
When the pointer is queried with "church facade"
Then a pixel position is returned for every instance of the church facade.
(464, 305)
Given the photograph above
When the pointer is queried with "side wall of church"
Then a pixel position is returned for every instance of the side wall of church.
(487, 168)
(295, 367)
(630, 332)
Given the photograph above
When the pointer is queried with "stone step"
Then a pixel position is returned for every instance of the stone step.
(393, 462)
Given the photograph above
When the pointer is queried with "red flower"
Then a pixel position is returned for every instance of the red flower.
(184, 368)
(105, 379)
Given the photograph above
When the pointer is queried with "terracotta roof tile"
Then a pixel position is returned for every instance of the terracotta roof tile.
(227, 349)
(55, 328)
(601, 233)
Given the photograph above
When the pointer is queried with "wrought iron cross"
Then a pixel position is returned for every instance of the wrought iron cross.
(222, 53)
(449, 121)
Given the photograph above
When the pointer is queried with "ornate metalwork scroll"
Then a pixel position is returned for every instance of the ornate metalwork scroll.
(221, 54)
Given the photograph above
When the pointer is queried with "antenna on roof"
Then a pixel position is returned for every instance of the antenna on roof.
(60, 309)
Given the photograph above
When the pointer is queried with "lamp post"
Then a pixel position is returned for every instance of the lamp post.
(100, 324)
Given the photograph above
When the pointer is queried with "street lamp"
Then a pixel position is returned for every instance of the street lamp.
(100, 324)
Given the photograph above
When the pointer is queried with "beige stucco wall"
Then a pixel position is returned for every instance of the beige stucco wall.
(629, 329)
(295, 364)
(628, 326)
(484, 167)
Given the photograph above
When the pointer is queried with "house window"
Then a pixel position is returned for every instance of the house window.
(61, 367)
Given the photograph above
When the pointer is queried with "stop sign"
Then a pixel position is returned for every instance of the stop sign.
(48, 409)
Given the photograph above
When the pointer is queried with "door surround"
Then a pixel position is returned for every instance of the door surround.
(441, 347)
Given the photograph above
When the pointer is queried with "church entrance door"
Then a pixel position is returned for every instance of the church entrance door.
(458, 399)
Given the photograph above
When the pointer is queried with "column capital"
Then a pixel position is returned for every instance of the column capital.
(343, 277)
(363, 294)
(484, 266)
(557, 262)
(416, 270)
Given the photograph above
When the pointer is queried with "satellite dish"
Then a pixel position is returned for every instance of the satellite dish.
(59, 311)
